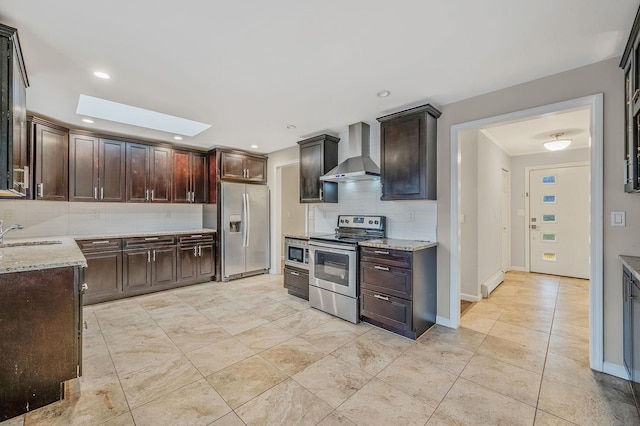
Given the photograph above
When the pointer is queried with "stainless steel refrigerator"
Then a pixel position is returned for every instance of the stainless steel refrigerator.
(244, 214)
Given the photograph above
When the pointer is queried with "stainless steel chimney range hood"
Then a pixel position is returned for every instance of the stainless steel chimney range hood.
(360, 166)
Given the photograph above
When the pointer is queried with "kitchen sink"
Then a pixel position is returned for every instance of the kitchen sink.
(29, 243)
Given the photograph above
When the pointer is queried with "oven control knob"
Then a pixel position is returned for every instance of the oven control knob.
(376, 222)
(370, 222)
(346, 220)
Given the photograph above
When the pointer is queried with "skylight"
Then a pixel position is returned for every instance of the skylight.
(127, 114)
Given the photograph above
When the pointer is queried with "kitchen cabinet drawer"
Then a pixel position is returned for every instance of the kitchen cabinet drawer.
(92, 246)
(296, 281)
(195, 239)
(388, 310)
(149, 242)
(389, 280)
(400, 258)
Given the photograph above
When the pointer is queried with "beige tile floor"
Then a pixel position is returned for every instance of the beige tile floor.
(245, 352)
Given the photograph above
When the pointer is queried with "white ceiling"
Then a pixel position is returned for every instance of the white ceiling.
(527, 136)
(250, 68)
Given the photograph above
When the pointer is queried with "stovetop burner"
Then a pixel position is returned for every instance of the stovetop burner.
(353, 229)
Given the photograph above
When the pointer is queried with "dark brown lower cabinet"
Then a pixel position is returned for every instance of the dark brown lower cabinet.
(296, 281)
(40, 337)
(398, 289)
(148, 262)
(196, 258)
(104, 269)
(163, 266)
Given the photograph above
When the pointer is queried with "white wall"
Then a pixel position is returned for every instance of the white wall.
(603, 77)
(468, 199)
(491, 161)
(48, 218)
(518, 199)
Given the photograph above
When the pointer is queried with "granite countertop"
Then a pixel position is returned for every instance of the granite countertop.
(32, 254)
(143, 234)
(397, 244)
(632, 263)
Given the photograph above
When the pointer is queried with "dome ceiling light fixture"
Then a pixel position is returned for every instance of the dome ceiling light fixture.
(557, 144)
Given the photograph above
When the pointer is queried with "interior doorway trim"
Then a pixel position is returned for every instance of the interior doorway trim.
(276, 215)
(596, 314)
(527, 211)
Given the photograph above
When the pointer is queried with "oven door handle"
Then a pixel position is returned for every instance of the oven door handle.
(333, 248)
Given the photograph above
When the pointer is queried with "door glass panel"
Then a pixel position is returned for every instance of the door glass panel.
(332, 267)
(549, 257)
(549, 179)
(548, 199)
(549, 237)
(549, 218)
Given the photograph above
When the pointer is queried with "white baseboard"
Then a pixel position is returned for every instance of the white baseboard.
(445, 322)
(518, 268)
(493, 282)
(615, 370)
(470, 297)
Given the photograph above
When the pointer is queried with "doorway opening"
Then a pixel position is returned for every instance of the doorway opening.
(460, 135)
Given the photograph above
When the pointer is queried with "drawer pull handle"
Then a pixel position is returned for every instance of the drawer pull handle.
(151, 239)
(381, 252)
(195, 236)
(101, 242)
(295, 274)
(381, 268)
(385, 298)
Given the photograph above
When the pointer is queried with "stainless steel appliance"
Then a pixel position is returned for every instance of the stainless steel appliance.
(296, 252)
(245, 229)
(333, 265)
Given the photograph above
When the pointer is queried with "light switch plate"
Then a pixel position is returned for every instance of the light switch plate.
(618, 219)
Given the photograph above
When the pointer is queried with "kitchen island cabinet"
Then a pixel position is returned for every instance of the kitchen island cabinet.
(317, 156)
(408, 154)
(40, 323)
(398, 287)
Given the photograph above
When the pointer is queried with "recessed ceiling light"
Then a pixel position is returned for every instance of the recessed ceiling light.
(291, 127)
(86, 120)
(383, 93)
(254, 146)
(102, 75)
(178, 138)
(127, 114)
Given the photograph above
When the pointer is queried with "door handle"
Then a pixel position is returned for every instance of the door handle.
(295, 274)
(148, 256)
(152, 195)
(195, 250)
(377, 296)
(85, 287)
(146, 195)
(154, 255)
(200, 251)
(102, 193)
(95, 192)
(248, 219)
(381, 268)
(381, 252)
(41, 190)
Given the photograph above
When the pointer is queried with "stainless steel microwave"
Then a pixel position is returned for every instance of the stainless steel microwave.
(296, 252)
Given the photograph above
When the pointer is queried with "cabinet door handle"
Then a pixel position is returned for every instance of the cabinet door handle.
(41, 190)
(154, 255)
(200, 251)
(195, 250)
(85, 287)
(146, 195)
(381, 268)
(385, 298)
(321, 193)
(95, 192)
(295, 274)
(152, 195)
(148, 256)
(102, 193)
(636, 95)
(381, 252)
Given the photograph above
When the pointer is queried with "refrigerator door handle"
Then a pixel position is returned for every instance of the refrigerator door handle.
(248, 220)
(244, 220)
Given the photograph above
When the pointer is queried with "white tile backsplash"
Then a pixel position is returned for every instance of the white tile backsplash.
(48, 218)
(364, 198)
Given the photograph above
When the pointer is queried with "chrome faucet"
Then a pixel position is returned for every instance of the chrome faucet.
(11, 228)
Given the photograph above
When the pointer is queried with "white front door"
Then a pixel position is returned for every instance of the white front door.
(559, 221)
(506, 220)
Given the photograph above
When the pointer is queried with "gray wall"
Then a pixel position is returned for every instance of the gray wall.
(603, 77)
(518, 165)
(468, 208)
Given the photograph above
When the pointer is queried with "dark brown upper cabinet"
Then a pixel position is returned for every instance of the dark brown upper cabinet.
(408, 154)
(190, 177)
(243, 167)
(318, 155)
(630, 63)
(96, 169)
(14, 155)
(148, 173)
(51, 170)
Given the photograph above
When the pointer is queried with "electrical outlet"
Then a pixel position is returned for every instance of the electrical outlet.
(412, 216)
(9, 215)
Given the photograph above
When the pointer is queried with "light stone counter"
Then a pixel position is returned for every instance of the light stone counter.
(144, 234)
(632, 263)
(397, 244)
(34, 254)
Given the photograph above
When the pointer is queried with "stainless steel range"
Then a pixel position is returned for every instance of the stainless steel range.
(333, 265)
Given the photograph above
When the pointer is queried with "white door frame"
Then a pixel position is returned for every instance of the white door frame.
(276, 214)
(527, 211)
(596, 314)
(507, 200)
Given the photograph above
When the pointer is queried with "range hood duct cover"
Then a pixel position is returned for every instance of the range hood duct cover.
(360, 166)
